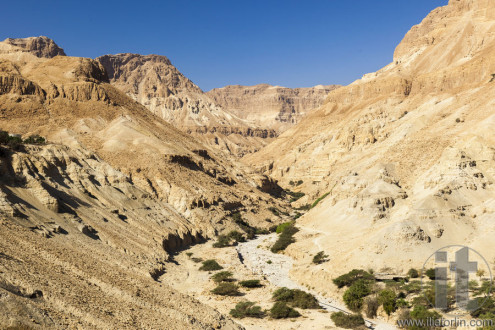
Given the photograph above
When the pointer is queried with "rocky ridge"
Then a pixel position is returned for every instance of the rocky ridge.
(153, 81)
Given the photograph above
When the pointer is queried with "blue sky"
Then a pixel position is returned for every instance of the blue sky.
(291, 43)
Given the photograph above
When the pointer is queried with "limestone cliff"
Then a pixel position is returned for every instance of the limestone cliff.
(270, 106)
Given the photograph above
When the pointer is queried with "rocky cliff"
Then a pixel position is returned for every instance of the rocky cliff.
(270, 106)
(404, 156)
(153, 81)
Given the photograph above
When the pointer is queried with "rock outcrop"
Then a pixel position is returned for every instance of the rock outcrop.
(38, 46)
(269, 106)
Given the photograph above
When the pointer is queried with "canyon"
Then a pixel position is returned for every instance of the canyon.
(104, 225)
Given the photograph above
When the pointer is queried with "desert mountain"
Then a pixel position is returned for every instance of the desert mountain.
(90, 219)
(153, 81)
(405, 156)
(270, 106)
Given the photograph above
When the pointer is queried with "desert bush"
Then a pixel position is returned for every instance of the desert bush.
(487, 305)
(210, 265)
(320, 258)
(280, 310)
(285, 239)
(222, 241)
(251, 284)
(283, 226)
(371, 305)
(319, 200)
(422, 313)
(347, 321)
(226, 289)
(386, 298)
(35, 139)
(197, 260)
(351, 277)
(413, 273)
(189, 254)
(224, 276)
(354, 295)
(296, 298)
(412, 287)
(430, 273)
(247, 309)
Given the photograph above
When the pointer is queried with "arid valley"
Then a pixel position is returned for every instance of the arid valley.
(132, 199)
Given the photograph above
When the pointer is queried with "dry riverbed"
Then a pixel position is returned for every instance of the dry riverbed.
(185, 277)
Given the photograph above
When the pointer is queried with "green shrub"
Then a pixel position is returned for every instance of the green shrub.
(189, 254)
(319, 200)
(283, 226)
(386, 298)
(296, 298)
(197, 260)
(35, 139)
(488, 316)
(280, 310)
(269, 262)
(285, 239)
(487, 305)
(247, 309)
(412, 287)
(222, 241)
(236, 236)
(320, 258)
(354, 295)
(251, 284)
(347, 321)
(413, 273)
(351, 277)
(430, 273)
(210, 265)
(226, 289)
(224, 276)
(422, 313)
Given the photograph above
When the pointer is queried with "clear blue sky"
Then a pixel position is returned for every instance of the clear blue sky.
(291, 43)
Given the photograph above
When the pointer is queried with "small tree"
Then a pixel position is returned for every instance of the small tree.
(353, 297)
(210, 265)
(320, 258)
(247, 309)
(226, 289)
(280, 310)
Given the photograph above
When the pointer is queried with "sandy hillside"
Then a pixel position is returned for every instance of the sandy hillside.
(406, 154)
